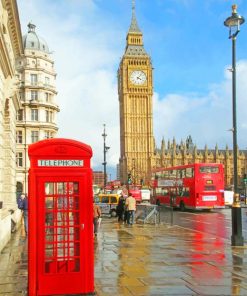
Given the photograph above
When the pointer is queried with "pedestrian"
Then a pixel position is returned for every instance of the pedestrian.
(96, 216)
(23, 206)
(131, 208)
(120, 208)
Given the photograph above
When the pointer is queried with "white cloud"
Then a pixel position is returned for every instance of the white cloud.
(207, 118)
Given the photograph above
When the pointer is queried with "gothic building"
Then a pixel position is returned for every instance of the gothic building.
(173, 154)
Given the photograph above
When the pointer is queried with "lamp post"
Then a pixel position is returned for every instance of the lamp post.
(233, 23)
(105, 149)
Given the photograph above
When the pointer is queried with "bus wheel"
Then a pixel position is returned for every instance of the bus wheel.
(182, 206)
(157, 202)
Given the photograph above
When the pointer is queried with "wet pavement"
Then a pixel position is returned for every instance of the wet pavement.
(146, 260)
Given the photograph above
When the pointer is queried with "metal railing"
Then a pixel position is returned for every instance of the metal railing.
(147, 213)
(154, 214)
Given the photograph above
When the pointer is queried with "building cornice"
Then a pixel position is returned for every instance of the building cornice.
(14, 26)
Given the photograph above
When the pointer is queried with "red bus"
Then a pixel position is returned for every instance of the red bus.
(192, 186)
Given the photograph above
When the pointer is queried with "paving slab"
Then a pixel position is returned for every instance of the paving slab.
(145, 260)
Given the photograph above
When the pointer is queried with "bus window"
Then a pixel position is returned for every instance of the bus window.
(173, 191)
(164, 191)
(158, 190)
(180, 191)
(185, 192)
(174, 174)
(209, 188)
(166, 174)
(189, 173)
(209, 169)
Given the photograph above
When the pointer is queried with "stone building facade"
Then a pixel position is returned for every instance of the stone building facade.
(10, 50)
(37, 117)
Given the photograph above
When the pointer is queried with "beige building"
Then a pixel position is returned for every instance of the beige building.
(135, 89)
(37, 117)
(28, 108)
(10, 50)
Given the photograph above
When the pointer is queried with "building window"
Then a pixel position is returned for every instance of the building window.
(34, 95)
(48, 135)
(34, 79)
(47, 81)
(47, 97)
(19, 159)
(48, 116)
(20, 116)
(19, 188)
(34, 115)
(34, 136)
(19, 137)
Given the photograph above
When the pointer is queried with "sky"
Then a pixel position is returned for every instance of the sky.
(191, 56)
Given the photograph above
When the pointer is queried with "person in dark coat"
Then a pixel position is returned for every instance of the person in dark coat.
(23, 205)
(121, 208)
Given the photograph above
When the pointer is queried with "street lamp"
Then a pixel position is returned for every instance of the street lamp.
(233, 23)
(105, 149)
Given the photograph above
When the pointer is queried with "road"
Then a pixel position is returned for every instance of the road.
(216, 222)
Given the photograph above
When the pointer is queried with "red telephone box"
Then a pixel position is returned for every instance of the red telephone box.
(60, 234)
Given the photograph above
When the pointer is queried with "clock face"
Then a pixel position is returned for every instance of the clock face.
(138, 77)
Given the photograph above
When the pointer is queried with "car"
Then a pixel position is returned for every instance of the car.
(108, 203)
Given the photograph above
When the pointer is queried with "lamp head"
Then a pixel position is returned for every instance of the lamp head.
(234, 22)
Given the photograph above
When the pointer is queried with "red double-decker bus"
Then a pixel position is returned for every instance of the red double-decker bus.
(192, 186)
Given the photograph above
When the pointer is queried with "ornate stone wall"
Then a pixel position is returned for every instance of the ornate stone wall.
(10, 49)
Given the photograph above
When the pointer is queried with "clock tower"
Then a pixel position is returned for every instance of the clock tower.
(135, 90)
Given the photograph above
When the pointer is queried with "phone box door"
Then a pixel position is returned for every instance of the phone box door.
(62, 236)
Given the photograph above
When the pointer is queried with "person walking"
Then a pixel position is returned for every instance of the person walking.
(131, 208)
(23, 205)
(120, 208)
(96, 216)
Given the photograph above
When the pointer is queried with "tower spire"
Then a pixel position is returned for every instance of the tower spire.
(134, 26)
(133, 7)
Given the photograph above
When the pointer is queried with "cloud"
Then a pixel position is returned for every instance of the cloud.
(207, 118)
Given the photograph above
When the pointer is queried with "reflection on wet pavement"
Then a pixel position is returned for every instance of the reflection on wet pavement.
(146, 260)
(164, 260)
